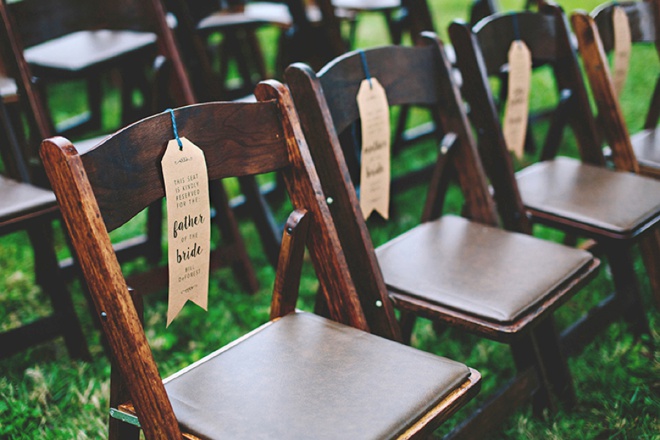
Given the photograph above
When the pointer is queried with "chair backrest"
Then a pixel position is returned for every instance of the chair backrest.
(108, 185)
(593, 52)
(326, 103)
(38, 21)
(642, 19)
(644, 22)
(481, 52)
(29, 101)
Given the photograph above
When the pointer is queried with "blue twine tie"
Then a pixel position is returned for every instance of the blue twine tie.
(365, 67)
(516, 27)
(174, 129)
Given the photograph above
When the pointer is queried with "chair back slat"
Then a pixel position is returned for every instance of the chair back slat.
(127, 175)
(43, 20)
(641, 17)
(344, 75)
(496, 33)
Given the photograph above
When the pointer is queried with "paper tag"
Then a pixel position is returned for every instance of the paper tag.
(517, 102)
(375, 171)
(188, 225)
(622, 48)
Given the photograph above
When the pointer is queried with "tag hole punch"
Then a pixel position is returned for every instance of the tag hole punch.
(174, 129)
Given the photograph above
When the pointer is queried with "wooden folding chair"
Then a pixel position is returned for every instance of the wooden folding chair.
(582, 198)
(91, 33)
(27, 208)
(299, 375)
(596, 39)
(462, 272)
(639, 152)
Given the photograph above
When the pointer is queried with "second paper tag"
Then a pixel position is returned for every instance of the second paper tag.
(622, 48)
(517, 102)
(188, 225)
(375, 168)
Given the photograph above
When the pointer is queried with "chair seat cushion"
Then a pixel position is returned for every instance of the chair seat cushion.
(303, 377)
(8, 89)
(83, 146)
(18, 198)
(477, 269)
(646, 144)
(84, 49)
(225, 20)
(614, 201)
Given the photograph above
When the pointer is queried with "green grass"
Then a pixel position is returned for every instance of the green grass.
(44, 394)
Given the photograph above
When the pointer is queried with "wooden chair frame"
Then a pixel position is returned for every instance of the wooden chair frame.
(36, 221)
(90, 210)
(171, 83)
(644, 17)
(326, 105)
(478, 57)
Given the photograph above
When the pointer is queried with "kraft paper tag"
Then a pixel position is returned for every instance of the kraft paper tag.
(517, 102)
(188, 225)
(622, 48)
(375, 171)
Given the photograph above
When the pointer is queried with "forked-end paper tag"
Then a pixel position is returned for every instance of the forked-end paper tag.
(188, 225)
(517, 102)
(622, 48)
(375, 169)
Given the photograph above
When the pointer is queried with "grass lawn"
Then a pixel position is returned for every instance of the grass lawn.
(44, 394)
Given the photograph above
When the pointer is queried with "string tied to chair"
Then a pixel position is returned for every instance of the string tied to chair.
(365, 68)
(175, 130)
(516, 27)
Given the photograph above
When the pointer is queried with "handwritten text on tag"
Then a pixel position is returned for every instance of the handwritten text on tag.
(375, 168)
(188, 225)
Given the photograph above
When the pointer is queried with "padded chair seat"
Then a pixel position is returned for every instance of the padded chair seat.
(304, 377)
(18, 198)
(92, 48)
(224, 20)
(8, 89)
(646, 144)
(85, 145)
(366, 5)
(614, 201)
(477, 269)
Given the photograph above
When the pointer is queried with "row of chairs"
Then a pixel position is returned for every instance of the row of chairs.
(135, 45)
(410, 278)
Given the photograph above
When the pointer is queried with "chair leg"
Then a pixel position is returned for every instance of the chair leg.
(407, 325)
(269, 232)
(52, 282)
(226, 221)
(650, 246)
(119, 392)
(94, 100)
(526, 354)
(627, 287)
(556, 366)
(154, 232)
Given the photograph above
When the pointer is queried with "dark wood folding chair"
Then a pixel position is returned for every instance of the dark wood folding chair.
(461, 272)
(305, 35)
(582, 198)
(638, 152)
(299, 375)
(596, 39)
(30, 209)
(73, 21)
